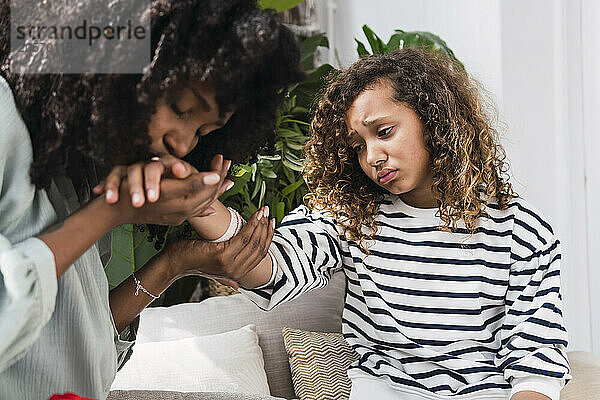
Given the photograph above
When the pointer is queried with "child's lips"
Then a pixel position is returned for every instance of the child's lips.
(388, 176)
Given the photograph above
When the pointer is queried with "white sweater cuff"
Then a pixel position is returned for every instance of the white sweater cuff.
(42, 258)
(547, 386)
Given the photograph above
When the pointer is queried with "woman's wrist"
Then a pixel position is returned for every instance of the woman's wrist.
(173, 259)
(114, 214)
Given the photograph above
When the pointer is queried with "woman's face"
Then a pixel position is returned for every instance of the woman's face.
(177, 125)
(387, 137)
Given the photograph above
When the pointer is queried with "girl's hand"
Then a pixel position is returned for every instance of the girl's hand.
(144, 178)
(230, 260)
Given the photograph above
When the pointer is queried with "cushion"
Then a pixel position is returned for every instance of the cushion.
(585, 384)
(318, 310)
(225, 362)
(319, 362)
(170, 395)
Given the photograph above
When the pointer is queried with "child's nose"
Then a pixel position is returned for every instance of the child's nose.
(375, 155)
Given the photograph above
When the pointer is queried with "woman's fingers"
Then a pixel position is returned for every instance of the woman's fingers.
(176, 167)
(135, 178)
(191, 196)
(252, 253)
(153, 173)
(112, 183)
(270, 234)
(99, 188)
(221, 166)
(227, 184)
(216, 164)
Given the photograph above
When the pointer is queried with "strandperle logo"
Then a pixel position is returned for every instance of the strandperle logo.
(84, 31)
(80, 36)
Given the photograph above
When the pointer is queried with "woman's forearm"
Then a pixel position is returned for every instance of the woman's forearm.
(213, 226)
(155, 276)
(69, 239)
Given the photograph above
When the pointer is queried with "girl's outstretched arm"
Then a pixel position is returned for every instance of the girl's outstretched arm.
(529, 395)
(307, 250)
(225, 223)
(215, 225)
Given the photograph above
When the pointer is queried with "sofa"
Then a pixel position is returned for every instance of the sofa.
(319, 310)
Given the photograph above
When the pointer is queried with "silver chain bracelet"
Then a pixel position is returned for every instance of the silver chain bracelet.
(138, 286)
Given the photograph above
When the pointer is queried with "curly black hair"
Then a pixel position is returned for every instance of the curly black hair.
(244, 52)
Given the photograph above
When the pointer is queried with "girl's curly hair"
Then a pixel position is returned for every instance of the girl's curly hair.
(244, 52)
(467, 160)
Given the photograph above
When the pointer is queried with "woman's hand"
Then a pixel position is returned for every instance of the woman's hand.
(230, 260)
(144, 178)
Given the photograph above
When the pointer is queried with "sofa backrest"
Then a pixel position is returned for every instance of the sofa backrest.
(319, 310)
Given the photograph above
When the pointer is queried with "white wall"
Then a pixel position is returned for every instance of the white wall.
(530, 55)
(590, 32)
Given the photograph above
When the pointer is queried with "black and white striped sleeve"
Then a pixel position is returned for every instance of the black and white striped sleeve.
(308, 250)
(533, 336)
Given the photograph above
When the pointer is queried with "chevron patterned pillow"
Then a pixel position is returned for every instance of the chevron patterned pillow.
(318, 362)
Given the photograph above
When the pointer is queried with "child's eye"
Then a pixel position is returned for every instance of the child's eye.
(384, 132)
(180, 114)
(358, 148)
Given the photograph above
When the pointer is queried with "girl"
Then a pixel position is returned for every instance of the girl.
(215, 76)
(453, 282)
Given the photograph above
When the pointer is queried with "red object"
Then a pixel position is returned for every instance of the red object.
(68, 396)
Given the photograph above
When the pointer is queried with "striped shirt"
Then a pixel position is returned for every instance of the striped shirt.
(433, 313)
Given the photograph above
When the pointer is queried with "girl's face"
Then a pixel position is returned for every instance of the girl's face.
(387, 137)
(177, 125)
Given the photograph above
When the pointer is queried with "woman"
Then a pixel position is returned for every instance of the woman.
(214, 78)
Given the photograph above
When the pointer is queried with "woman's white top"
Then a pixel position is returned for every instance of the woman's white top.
(56, 336)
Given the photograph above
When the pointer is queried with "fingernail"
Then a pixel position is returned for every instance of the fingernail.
(229, 186)
(259, 215)
(266, 211)
(136, 198)
(110, 195)
(273, 223)
(151, 194)
(211, 179)
(228, 164)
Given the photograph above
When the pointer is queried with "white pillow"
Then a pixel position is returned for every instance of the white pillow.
(208, 317)
(226, 362)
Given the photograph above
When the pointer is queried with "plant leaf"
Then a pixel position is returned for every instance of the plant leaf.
(279, 211)
(361, 49)
(307, 91)
(268, 173)
(395, 42)
(292, 187)
(292, 166)
(263, 189)
(278, 5)
(377, 45)
(308, 48)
